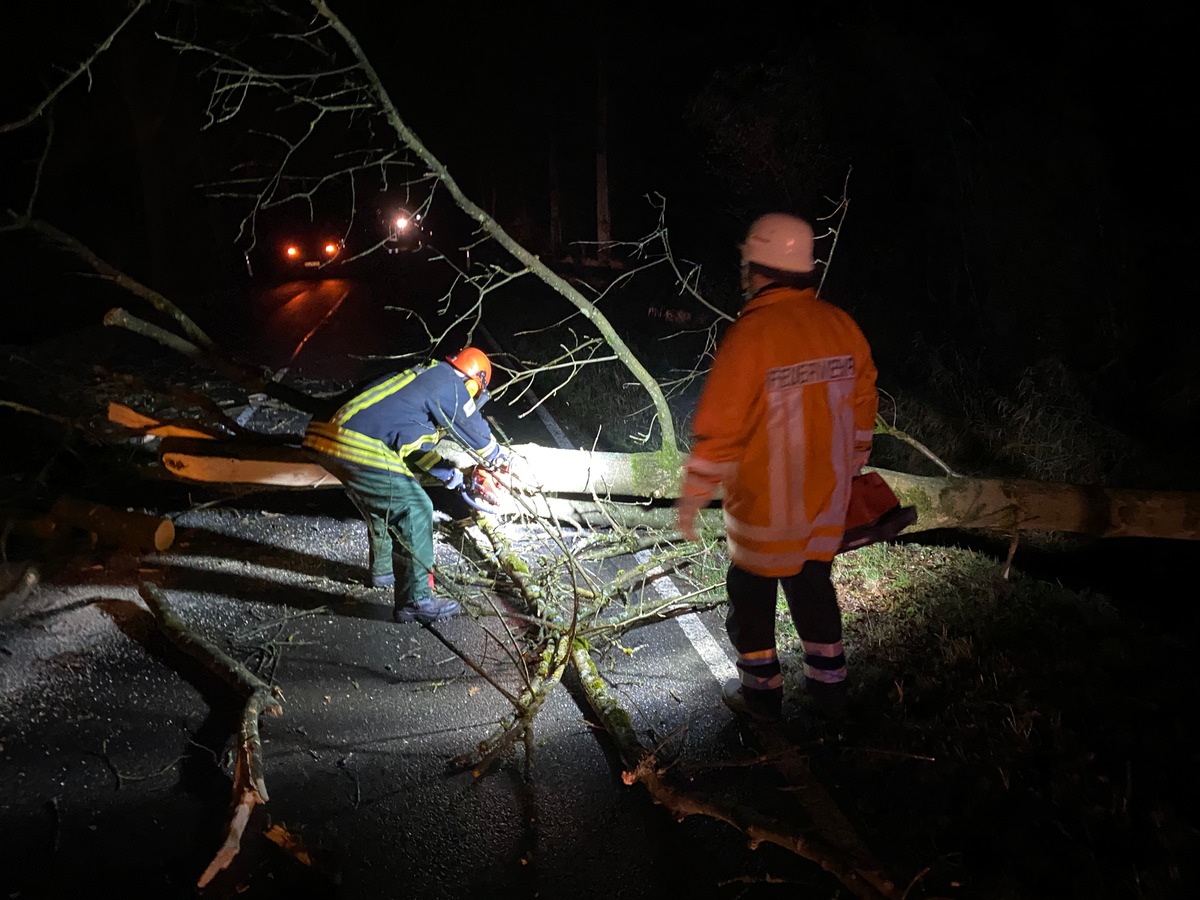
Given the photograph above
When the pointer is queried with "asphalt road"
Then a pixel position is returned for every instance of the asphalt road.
(322, 328)
(114, 748)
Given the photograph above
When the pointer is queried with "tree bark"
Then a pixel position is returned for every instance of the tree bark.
(1012, 505)
(641, 767)
(223, 462)
(139, 531)
(193, 331)
(571, 478)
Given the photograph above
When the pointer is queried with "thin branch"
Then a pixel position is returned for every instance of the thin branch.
(84, 68)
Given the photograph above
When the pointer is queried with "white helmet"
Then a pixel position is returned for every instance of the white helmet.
(779, 241)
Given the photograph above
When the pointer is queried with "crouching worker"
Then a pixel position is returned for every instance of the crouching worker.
(381, 442)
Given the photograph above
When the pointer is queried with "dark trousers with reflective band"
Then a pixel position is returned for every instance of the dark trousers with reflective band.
(750, 623)
(399, 516)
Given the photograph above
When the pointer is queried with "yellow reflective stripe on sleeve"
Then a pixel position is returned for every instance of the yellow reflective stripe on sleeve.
(381, 391)
(415, 445)
(456, 433)
(428, 459)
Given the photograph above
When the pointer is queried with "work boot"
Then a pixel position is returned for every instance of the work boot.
(762, 706)
(388, 579)
(427, 609)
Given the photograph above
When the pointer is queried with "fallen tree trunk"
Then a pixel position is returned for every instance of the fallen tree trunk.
(1013, 505)
(574, 476)
(139, 531)
(941, 501)
(225, 462)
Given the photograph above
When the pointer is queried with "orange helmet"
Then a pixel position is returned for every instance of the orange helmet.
(473, 363)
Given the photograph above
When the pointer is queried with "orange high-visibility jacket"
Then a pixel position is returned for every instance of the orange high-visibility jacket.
(783, 424)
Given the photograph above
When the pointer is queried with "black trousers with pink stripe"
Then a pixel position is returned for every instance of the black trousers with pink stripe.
(750, 622)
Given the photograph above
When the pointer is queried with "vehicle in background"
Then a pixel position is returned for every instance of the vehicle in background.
(405, 231)
(310, 252)
(296, 250)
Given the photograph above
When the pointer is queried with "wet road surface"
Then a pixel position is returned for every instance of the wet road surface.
(114, 746)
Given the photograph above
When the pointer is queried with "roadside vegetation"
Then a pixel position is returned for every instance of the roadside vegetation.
(1009, 735)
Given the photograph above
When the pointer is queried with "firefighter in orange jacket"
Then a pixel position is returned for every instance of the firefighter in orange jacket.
(782, 426)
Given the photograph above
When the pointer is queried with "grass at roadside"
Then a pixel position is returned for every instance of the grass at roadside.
(1017, 738)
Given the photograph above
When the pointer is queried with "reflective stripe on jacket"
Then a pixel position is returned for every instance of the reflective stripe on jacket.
(784, 422)
(403, 414)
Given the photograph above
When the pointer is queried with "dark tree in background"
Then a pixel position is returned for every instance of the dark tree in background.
(1020, 188)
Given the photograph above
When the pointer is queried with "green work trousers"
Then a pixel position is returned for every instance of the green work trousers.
(399, 516)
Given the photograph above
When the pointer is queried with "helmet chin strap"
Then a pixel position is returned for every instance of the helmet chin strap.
(752, 282)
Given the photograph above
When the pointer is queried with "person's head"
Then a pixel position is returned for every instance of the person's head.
(475, 367)
(778, 250)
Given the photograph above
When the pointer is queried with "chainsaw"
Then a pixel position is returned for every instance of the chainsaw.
(482, 486)
(874, 514)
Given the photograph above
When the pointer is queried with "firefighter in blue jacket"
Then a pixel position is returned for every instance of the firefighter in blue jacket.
(381, 441)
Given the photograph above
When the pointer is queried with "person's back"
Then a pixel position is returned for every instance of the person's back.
(783, 425)
(403, 413)
(379, 440)
(781, 405)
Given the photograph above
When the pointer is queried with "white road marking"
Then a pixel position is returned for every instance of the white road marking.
(702, 640)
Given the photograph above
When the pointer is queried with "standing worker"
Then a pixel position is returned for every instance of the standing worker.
(782, 426)
(374, 442)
